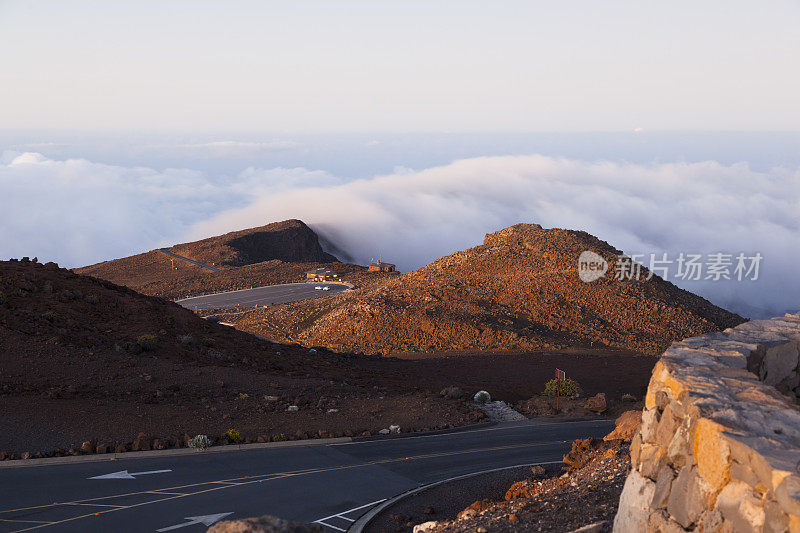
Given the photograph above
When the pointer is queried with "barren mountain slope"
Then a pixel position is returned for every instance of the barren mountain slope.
(276, 253)
(84, 359)
(288, 241)
(519, 289)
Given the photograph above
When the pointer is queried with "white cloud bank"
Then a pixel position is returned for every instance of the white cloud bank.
(78, 212)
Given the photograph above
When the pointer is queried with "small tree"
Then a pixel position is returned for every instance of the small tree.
(562, 387)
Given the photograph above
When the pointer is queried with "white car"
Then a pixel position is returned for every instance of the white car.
(317, 288)
(326, 288)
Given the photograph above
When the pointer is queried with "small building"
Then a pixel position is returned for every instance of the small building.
(322, 274)
(380, 266)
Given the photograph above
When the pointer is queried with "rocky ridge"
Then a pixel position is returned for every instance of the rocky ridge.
(518, 290)
(281, 252)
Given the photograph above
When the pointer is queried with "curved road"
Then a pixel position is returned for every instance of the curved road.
(334, 482)
(267, 295)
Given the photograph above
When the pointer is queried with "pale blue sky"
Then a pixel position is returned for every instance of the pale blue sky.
(459, 66)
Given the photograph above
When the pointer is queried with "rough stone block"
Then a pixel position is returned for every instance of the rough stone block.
(649, 425)
(651, 460)
(634, 504)
(739, 505)
(663, 486)
(687, 499)
(666, 426)
(679, 452)
(775, 519)
(788, 495)
(743, 473)
(712, 454)
(636, 448)
(660, 522)
(779, 362)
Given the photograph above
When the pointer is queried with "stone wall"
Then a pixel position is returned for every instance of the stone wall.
(719, 444)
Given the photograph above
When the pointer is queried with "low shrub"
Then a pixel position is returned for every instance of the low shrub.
(566, 387)
(50, 316)
(233, 435)
(199, 442)
(3, 300)
(243, 396)
(147, 342)
(280, 438)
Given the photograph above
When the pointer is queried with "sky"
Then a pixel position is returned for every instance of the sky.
(412, 66)
(405, 130)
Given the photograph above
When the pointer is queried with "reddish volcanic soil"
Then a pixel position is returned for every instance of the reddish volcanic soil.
(75, 365)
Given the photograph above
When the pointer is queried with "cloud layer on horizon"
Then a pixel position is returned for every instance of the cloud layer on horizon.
(78, 211)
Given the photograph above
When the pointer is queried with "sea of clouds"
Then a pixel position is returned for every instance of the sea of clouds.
(78, 212)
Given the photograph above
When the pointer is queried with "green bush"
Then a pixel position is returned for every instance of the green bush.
(280, 438)
(557, 387)
(147, 342)
(3, 300)
(233, 435)
(50, 316)
(243, 396)
(200, 442)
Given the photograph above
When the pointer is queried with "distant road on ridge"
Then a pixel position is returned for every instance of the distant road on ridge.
(268, 295)
(182, 258)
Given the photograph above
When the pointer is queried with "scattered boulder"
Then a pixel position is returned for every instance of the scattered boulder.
(394, 428)
(103, 448)
(627, 425)
(292, 409)
(264, 524)
(141, 443)
(582, 452)
(597, 403)
(482, 397)
(425, 526)
(88, 446)
(538, 471)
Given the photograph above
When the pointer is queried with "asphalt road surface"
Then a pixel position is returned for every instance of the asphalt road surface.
(182, 258)
(270, 294)
(332, 483)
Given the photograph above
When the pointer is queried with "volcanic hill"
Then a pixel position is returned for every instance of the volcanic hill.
(280, 252)
(518, 290)
(84, 359)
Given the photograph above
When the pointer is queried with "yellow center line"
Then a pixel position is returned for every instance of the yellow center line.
(228, 483)
(94, 504)
(25, 521)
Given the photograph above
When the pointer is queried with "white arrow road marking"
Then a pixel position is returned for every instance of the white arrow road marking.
(124, 474)
(206, 520)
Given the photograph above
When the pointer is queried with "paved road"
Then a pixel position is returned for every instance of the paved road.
(271, 294)
(305, 483)
(182, 258)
